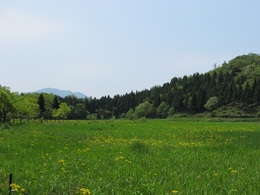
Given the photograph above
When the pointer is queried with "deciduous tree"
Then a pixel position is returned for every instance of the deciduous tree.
(6, 103)
(62, 112)
(211, 104)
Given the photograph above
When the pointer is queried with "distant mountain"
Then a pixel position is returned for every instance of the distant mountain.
(61, 93)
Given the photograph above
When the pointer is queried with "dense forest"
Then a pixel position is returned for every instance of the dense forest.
(229, 90)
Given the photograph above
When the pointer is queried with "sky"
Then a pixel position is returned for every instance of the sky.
(110, 47)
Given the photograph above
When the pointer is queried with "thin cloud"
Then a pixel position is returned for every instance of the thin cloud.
(20, 25)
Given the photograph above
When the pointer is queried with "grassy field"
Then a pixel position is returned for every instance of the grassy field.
(131, 157)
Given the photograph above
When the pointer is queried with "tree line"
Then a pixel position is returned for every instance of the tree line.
(30, 106)
(236, 82)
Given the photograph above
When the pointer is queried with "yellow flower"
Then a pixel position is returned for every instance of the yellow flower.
(62, 161)
(128, 161)
(85, 191)
(234, 171)
(15, 187)
(63, 170)
(120, 158)
(175, 191)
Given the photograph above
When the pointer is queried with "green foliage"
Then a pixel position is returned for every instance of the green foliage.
(235, 111)
(62, 112)
(212, 103)
(92, 117)
(162, 110)
(130, 114)
(78, 111)
(104, 114)
(56, 103)
(41, 103)
(144, 110)
(171, 112)
(6, 103)
(26, 106)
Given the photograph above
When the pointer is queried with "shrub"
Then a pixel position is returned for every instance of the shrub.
(140, 147)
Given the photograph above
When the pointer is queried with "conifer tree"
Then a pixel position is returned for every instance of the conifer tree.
(41, 104)
(56, 103)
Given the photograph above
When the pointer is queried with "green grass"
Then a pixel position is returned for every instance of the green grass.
(132, 157)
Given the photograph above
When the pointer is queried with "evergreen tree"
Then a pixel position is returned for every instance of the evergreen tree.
(41, 104)
(257, 95)
(56, 103)
(201, 100)
(239, 93)
(194, 102)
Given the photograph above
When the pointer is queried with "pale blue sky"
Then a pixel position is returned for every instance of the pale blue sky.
(109, 47)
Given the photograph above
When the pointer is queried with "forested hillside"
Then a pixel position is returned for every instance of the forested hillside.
(234, 83)
(230, 90)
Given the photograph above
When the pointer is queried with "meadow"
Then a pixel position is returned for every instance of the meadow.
(131, 157)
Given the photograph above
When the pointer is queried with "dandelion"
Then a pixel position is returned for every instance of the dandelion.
(234, 172)
(63, 170)
(120, 158)
(128, 161)
(17, 188)
(175, 191)
(85, 191)
(14, 187)
(62, 161)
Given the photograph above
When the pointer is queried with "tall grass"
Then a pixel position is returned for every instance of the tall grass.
(131, 157)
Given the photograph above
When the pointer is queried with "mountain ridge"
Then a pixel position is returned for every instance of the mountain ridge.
(61, 93)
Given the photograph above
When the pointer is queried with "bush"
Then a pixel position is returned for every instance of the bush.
(5, 126)
(140, 147)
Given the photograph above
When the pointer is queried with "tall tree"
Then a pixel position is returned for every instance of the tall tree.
(144, 110)
(6, 103)
(62, 112)
(26, 106)
(41, 104)
(162, 110)
(55, 103)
